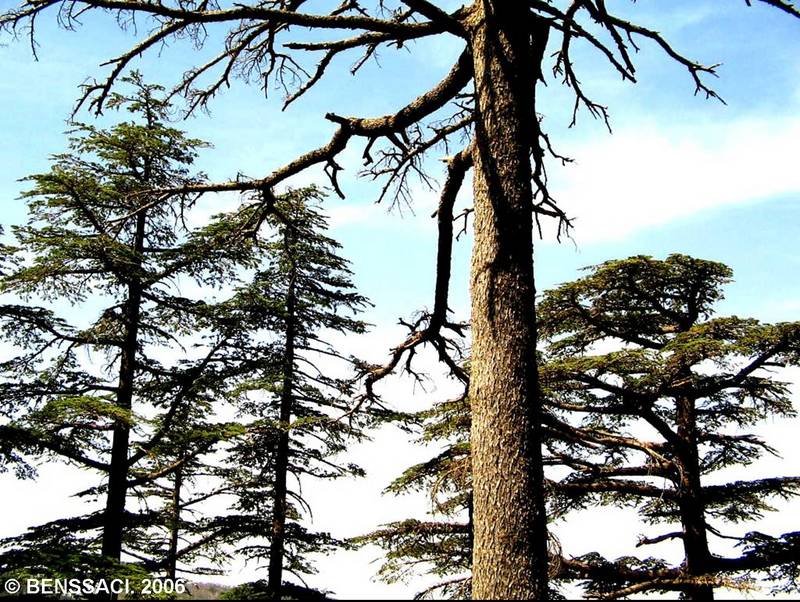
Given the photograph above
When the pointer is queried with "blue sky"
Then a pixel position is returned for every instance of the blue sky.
(679, 174)
(758, 80)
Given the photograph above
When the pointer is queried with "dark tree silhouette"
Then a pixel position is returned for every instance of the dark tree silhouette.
(664, 411)
(291, 390)
(82, 392)
(440, 545)
(300, 408)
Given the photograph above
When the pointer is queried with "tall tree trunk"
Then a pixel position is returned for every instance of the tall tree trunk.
(692, 508)
(114, 518)
(174, 525)
(276, 550)
(510, 534)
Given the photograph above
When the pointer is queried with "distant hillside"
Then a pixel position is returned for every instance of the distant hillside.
(204, 591)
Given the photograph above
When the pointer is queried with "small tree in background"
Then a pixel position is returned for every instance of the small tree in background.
(668, 407)
(298, 410)
(180, 477)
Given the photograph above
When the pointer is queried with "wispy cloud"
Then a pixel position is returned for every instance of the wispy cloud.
(366, 212)
(643, 177)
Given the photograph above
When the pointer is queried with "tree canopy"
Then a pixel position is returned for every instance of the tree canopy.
(134, 384)
(662, 394)
(298, 397)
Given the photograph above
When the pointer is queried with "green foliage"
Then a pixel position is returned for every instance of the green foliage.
(259, 590)
(639, 297)
(299, 263)
(109, 235)
(441, 546)
(634, 348)
(104, 237)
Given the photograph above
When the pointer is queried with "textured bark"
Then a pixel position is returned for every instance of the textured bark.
(276, 550)
(510, 551)
(114, 518)
(690, 500)
(175, 522)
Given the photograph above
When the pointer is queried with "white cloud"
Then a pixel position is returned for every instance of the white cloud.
(210, 205)
(643, 177)
(382, 215)
(341, 215)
